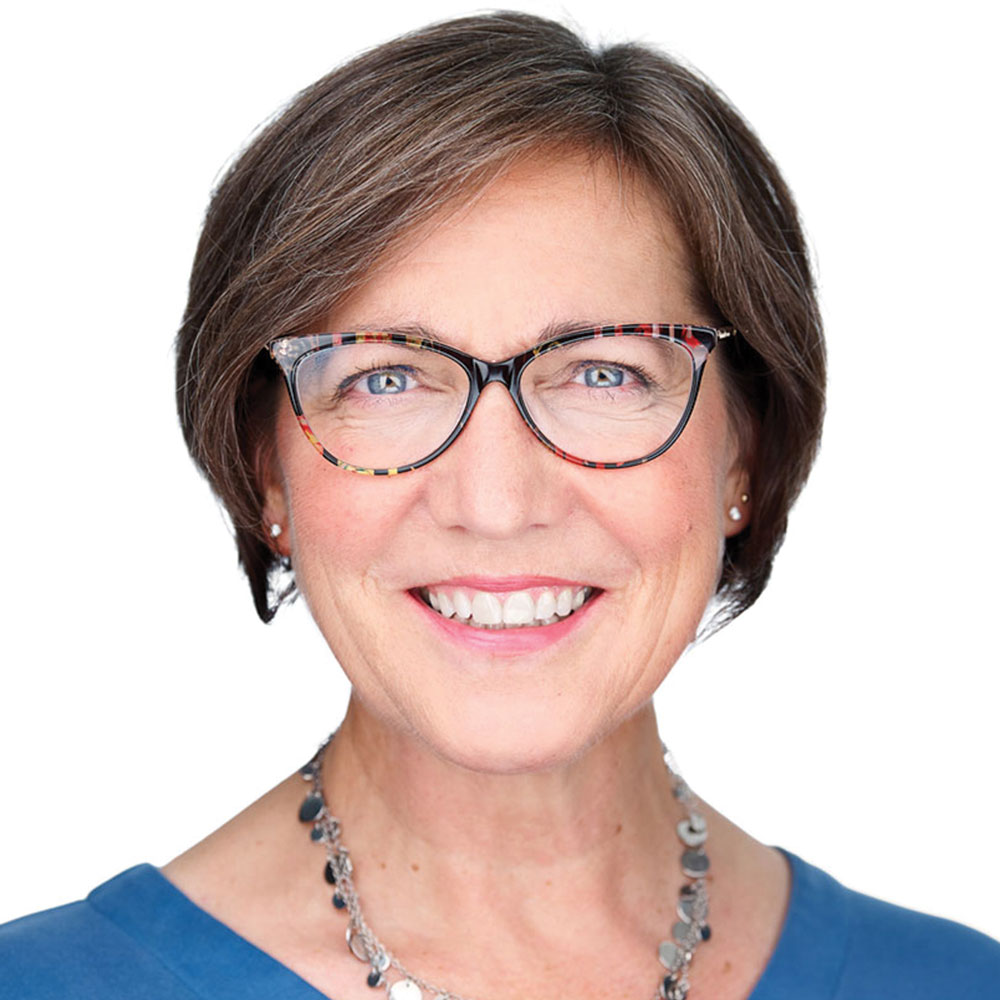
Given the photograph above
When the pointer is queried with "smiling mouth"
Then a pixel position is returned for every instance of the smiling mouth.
(518, 609)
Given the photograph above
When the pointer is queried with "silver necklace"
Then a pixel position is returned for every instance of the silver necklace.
(388, 973)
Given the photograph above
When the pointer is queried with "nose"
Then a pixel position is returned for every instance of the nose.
(497, 480)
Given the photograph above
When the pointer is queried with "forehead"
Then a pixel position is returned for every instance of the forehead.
(553, 240)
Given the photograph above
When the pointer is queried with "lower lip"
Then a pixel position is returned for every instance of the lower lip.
(506, 641)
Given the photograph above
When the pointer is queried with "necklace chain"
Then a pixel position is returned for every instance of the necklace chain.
(675, 953)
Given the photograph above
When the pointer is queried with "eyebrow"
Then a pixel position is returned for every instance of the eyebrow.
(550, 331)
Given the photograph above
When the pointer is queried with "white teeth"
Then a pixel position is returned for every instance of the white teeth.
(463, 606)
(484, 609)
(564, 602)
(546, 605)
(518, 609)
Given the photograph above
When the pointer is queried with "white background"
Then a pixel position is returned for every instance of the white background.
(850, 717)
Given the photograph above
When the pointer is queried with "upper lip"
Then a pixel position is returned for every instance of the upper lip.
(505, 583)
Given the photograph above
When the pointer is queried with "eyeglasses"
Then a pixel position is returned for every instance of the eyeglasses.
(385, 403)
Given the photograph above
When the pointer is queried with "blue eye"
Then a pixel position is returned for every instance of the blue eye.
(378, 380)
(386, 382)
(604, 377)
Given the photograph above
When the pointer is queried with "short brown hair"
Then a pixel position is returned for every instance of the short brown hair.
(378, 145)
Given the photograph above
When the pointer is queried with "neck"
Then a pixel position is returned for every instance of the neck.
(505, 856)
(393, 787)
(538, 884)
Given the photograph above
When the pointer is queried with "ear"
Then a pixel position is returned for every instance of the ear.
(274, 509)
(738, 510)
(275, 517)
(738, 500)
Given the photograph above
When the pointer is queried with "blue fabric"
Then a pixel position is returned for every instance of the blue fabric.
(138, 937)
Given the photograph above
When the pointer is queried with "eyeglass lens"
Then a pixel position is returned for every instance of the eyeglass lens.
(384, 405)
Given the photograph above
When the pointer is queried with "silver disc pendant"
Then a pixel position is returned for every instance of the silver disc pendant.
(405, 989)
(671, 955)
(357, 945)
(694, 863)
(687, 935)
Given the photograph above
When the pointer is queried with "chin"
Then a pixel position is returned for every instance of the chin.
(519, 738)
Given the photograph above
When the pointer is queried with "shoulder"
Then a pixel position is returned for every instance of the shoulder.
(926, 955)
(851, 946)
(137, 935)
(76, 951)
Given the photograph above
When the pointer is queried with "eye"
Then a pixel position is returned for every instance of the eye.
(603, 377)
(386, 382)
(596, 374)
(377, 380)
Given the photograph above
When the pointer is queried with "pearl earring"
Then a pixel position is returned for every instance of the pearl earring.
(735, 514)
(275, 530)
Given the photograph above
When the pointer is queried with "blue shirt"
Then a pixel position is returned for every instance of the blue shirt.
(137, 936)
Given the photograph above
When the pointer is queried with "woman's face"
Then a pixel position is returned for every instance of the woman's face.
(550, 244)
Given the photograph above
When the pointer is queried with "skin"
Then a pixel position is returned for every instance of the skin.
(517, 806)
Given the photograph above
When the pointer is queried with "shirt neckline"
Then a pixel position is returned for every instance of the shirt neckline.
(214, 961)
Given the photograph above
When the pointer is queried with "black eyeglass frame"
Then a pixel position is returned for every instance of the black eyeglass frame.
(289, 352)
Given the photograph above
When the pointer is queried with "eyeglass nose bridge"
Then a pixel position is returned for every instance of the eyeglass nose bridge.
(504, 372)
(507, 373)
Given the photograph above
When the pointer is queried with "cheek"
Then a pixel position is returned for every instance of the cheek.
(670, 504)
(339, 521)
(667, 516)
(339, 528)
(344, 541)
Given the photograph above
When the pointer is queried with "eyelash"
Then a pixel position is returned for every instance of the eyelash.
(356, 377)
(640, 374)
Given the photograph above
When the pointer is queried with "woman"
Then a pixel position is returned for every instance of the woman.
(505, 572)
